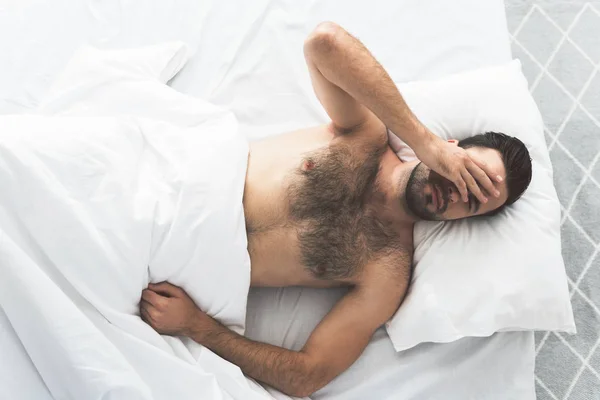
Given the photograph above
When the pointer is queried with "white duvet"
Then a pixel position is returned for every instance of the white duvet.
(94, 208)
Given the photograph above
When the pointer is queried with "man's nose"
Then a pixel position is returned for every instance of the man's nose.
(453, 195)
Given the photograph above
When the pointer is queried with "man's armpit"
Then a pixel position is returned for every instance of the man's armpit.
(387, 283)
(371, 128)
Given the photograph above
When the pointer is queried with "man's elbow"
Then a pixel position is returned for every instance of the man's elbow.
(305, 389)
(301, 392)
(323, 39)
(311, 381)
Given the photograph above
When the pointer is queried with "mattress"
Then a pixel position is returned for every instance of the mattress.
(249, 59)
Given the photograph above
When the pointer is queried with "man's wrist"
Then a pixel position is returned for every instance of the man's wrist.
(199, 326)
(421, 140)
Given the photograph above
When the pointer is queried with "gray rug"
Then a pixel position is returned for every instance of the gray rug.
(558, 43)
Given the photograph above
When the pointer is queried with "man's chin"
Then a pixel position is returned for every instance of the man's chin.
(430, 219)
(423, 215)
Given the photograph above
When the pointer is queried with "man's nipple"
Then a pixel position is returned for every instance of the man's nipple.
(308, 165)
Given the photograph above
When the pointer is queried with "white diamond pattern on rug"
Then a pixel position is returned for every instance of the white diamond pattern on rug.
(570, 67)
(566, 178)
(595, 360)
(585, 33)
(580, 342)
(576, 249)
(589, 281)
(539, 36)
(596, 172)
(584, 213)
(582, 391)
(543, 393)
(591, 97)
(553, 101)
(581, 129)
(558, 43)
(563, 13)
(556, 381)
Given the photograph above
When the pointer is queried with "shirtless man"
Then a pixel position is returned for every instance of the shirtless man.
(333, 205)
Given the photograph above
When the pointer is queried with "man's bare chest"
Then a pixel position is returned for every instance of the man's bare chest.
(322, 223)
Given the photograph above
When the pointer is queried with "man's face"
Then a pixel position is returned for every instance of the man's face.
(433, 198)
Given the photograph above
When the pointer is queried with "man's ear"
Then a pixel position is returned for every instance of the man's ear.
(453, 141)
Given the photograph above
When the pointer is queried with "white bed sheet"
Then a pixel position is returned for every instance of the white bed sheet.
(249, 59)
(498, 367)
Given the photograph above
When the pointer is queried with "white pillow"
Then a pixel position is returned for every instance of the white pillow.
(475, 277)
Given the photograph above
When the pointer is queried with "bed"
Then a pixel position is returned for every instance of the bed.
(248, 59)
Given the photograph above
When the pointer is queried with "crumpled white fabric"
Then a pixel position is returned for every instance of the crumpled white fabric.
(93, 208)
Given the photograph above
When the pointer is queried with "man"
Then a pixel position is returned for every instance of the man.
(333, 205)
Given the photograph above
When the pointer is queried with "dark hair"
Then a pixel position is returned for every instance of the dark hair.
(515, 156)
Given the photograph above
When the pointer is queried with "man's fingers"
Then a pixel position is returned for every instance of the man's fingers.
(146, 305)
(145, 308)
(488, 170)
(151, 297)
(473, 187)
(482, 179)
(166, 289)
(462, 187)
(144, 315)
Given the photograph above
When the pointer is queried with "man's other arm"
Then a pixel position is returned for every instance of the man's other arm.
(333, 346)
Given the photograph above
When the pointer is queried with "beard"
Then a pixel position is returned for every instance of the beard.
(416, 199)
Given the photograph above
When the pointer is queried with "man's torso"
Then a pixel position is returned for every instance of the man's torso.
(313, 209)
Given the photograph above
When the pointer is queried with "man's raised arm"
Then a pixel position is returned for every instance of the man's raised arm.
(353, 87)
(351, 84)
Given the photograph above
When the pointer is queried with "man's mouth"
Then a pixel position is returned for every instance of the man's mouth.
(442, 202)
(434, 199)
(438, 197)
